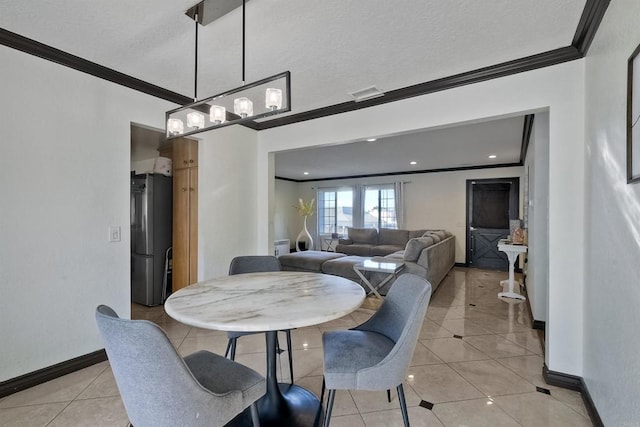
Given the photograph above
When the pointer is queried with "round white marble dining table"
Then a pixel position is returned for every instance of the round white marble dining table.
(269, 302)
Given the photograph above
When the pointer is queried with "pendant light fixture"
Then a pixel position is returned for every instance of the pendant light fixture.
(266, 97)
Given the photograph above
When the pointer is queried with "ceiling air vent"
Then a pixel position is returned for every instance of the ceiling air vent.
(366, 93)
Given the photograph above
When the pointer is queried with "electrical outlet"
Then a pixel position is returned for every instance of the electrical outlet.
(114, 233)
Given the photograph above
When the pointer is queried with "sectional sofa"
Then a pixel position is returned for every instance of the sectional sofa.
(371, 242)
(426, 253)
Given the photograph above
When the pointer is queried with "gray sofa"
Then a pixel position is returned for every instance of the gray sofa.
(371, 242)
(431, 255)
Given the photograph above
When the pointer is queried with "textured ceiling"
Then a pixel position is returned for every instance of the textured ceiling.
(331, 47)
(453, 147)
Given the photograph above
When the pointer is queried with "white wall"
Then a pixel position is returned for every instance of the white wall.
(227, 198)
(537, 163)
(432, 200)
(612, 225)
(140, 153)
(559, 88)
(287, 223)
(145, 143)
(64, 179)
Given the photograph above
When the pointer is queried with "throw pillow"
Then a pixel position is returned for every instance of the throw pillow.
(415, 246)
(433, 235)
(442, 234)
(416, 233)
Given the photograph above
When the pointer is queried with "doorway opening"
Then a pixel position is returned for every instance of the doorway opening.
(491, 203)
(151, 216)
(164, 214)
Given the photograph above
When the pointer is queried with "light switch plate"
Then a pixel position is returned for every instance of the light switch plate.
(114, 233)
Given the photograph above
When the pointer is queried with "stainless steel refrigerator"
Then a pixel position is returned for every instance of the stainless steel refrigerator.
(151, 230)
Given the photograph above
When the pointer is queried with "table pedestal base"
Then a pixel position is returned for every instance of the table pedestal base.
(283, 404)
(294, 406)
(510, 293)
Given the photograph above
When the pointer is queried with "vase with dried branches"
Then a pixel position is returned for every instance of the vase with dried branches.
(306, 210)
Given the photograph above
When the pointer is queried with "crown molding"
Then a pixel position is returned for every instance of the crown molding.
(526, 136)
(504, 69)
(32, 47)
(372, 175)
(590, 19)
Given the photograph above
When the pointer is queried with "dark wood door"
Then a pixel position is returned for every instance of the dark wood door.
(490, 205)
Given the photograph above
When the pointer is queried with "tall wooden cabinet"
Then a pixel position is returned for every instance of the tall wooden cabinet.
(185, 212)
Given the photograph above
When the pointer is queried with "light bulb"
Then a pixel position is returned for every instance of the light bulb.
(243, 107)
(217, 114)
(195, 120)
(273, 99)
(175, 126)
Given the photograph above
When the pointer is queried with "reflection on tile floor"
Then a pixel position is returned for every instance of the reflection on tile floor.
(487, 376)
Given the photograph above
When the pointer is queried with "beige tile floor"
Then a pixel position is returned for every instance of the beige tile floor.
(477, 361)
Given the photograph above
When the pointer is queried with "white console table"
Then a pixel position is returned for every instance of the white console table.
(512, 252)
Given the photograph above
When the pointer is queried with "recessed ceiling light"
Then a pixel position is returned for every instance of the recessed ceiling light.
(305, 173)
(413, 162)
(371, 139)
(492, 156)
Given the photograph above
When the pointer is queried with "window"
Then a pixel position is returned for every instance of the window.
(335, 210)
(362, 206)
(379, 207)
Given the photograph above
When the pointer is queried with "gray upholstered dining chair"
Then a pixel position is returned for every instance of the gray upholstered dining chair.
(254, 264)
(160, 388)
(376, 354)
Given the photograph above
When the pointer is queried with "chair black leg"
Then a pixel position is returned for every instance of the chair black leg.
(255, 418)
(389, 396)
(322, 392)
(403, 405)
(290, 351)
(233, 348)
(327, 417)
(226, 352)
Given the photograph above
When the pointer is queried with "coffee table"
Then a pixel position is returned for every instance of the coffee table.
(269, 302)
(378, 265)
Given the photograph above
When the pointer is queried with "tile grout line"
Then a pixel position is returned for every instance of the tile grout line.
(59, 413)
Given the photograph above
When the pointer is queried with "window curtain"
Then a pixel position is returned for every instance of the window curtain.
(398, 189)
(317, 238)
(358, 205)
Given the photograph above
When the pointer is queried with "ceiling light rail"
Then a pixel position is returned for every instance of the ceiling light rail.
(266, 97)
